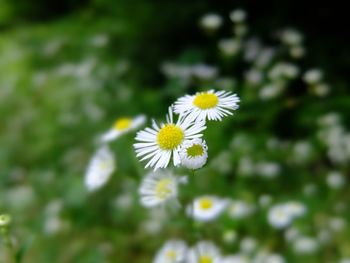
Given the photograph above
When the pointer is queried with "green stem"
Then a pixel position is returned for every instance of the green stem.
(9, 245)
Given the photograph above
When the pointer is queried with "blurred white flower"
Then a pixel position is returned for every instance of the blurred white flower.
(204, 72)
(229, 236)
(239, 209)
(122, 126)
(99, 40)
(211, 22)
(248, 245)
(279, 217)
(238, 16)
(305, 245)
(194, 154)
(161, 143)
(5, 220)
(252, 49)
(267, 169)
(204, 252)
(271, 91)
(283, 70)
(237, 258)
(335, 180)
(254, 76)
(265, 200)
(267, 257)
(159, 188)
(229, 47)
(313, 76)
(291, 234)
(321, 89)
(291, 37)
(172, 251)
(211, 105)
(207, 208)
(100, 169)
(297, 52)
(337, 224)
(264, 57)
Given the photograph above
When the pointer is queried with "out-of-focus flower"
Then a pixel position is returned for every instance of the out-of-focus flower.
(211, 105)
(204, 72)
(204, 252)
(172, 251)
(291, 37)
(267, 169)
(194, 154)
(161, 143)
(100, 168)
(254, 76)
(229, 236)
(211, 22)
(282, 215)
(229, 47)
(271, 91)
(305, 245)
(238, 16)
(265, 200)
(248, 245)
(313, 76)
(237, 258)
(297, 52)
(159, 188)
(207, 208)
(5, 220)
(335, 180)
(122, 126)
(239, 209)
(321, 89)
(283, 70)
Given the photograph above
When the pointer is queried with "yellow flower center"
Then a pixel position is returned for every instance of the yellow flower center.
(171, 254)
(122, 124)
(163, 188)
(170, 136)
(206, 100)
(195, 150)
(205, 259)
(205, 203)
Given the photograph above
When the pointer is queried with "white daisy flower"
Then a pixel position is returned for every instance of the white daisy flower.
(204, 252)
(194, 154)
(122, 126)
(295, 209)
(159, 143)
(160, 187)
(172, 251)
(207, 208)
(100, 169)
(211, 105)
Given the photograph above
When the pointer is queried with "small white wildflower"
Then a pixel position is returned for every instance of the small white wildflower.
(270, 91)
(321, 89)
(204, 72)
(211, 105)
(172, 251)
(207, 208)
(122, 126)
(194, 154)
(204, 252)
(229, 236)
(159, 188)
(268, 169)
(161, 143)
(100, 168)
(297, 52)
